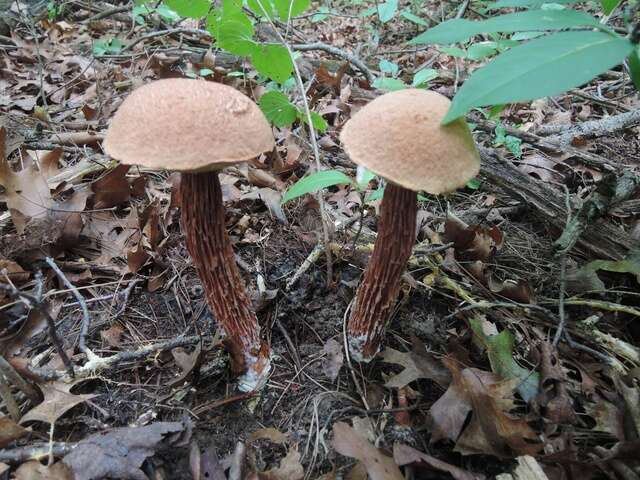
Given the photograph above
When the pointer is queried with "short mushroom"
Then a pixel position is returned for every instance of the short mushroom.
(399, 137)
(198, 128)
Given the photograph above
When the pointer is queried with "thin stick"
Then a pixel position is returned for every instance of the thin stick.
(352, 59)
(86, 320)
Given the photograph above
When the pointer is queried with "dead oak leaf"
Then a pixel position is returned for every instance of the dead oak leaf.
(349, 443)
(417, 364)
(58, 400)
(114, 188)
(26, 192)
(406, 455)
(119, 453)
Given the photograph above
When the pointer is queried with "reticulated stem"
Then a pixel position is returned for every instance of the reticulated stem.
(378, 290)
(203, 222)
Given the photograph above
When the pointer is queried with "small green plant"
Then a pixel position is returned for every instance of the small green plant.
(54, 10)
(107, 47)
(578, 48)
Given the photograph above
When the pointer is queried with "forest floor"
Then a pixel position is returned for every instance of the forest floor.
(486, 364)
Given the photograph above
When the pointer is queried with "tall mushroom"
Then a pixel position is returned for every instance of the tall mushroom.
(399, 136)
(198, 128)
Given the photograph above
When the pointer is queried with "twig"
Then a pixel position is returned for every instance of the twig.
(86, 319)
(463, 8)
(35, 452)
(591, 128)
(105, 363)
(108, 13)
(352, 59)
(563, 273)
(36, 304)
(162, 33)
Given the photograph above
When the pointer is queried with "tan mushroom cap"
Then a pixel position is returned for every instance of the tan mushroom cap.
(187, 125)
(399, 137)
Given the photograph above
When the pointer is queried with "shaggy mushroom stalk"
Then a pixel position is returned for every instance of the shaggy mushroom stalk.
(203, 222)
(382, 278)
(198, 128)
(414, 152)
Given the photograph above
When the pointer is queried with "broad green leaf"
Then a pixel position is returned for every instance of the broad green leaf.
(376, 195)
(422, 77)
(609, 6)
(500, 352)
(235, 37)
(189, 8)
(257, 6)
(167, 14)
(296, 7)
(388, 67)
(454, 51)
(527, 3)
(460, 30)
(107, 47)
(406, 14)
(542, 67)
(314, 182)
(387, 10)
(220, 16)
(634, 67)
(319, 123)
(278, 109)
(363, 177)
(481, 50)
(389, 84)
(272, 60)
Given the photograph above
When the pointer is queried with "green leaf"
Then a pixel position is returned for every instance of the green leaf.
(609, 6)
(167, 14)
(481, 50)
(278, 109)
(634, 67)
(389, 84)
(526, 3)
(388, 67)
(272, 60)
(422, 77)
(296, 7)
(319, 123)
(236, 37)
(376, 195)
(107, 47)
(473, 184)
(321, 14)
(454, 51)
(256, 6)
(542, 67)
(406, 14)
(387, 10)
(460, 30)
(314, 182)
(500, 352)
(631, 265)
(363, 177)
(189, 8)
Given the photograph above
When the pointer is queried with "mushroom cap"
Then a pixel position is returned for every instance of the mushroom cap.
(187, 125)
(399, 136)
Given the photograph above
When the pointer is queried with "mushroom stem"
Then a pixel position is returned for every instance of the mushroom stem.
(378, 290)
(203, 222)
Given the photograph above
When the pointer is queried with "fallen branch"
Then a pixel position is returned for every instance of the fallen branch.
(352, 59)
(36, 452)
(591, 128)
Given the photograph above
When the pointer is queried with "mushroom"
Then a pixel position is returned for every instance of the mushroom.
(198, 128)
(399, 137)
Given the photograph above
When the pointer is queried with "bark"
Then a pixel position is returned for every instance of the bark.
(381, 280)
(203, 222)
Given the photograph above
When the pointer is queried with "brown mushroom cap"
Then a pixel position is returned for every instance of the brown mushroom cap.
(399, 137)
(187, 125)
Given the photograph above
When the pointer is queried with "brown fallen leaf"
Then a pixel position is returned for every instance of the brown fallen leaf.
(472, 242)
(58, 400)
(10, 431)
(26, 192)
(553, 402)
(114, 188)
(205, 465)
(187, 361)
(349, 443)
(34, 470)
(272, 434)
(406, 455)
(417, 364)
(290, 468)
(120, 452)
(113, 335)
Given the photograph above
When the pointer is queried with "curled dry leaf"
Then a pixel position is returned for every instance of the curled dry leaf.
(114, 188)
(406, 455)
(10, 431)
(187, 361)
(553, 401)
(290, 468)
(491, 430)
(417, 364)
(349, 443)
(119, 453)
(472, 242)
